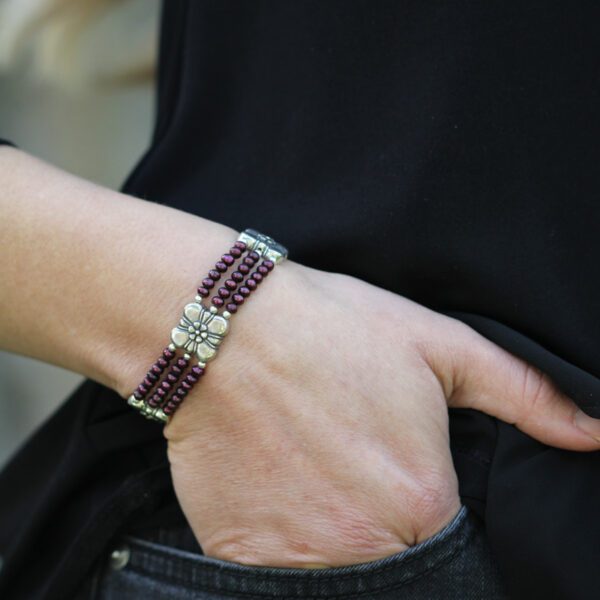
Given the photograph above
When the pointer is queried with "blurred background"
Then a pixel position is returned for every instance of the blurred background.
(68, 96)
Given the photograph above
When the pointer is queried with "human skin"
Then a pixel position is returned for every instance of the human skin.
(319, 435)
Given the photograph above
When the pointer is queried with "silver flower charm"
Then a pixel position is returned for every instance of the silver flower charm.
(200, 331)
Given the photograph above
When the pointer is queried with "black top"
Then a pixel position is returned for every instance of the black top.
(446, 151)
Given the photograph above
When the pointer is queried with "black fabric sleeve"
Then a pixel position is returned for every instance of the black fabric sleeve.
(5, 143)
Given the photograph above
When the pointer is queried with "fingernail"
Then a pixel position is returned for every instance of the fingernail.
(588, 424)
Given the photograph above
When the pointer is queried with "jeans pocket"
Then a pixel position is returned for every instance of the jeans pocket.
(454, 563)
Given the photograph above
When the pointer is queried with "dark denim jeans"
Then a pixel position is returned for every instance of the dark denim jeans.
(455, 564)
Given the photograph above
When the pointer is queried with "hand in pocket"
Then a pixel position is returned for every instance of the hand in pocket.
(320, 435)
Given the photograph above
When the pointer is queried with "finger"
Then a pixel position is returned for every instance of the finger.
(487, 378)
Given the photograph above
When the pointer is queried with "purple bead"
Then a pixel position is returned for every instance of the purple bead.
(251, 284)
(197, 371)
(176, 370)
(202, 291)
(237, 277)
(221, 266)
(148, 383)
(168, 353)
(238, 298)
(244, 291)
(249, 261)
(157, 370)
(162, 363)
(245, 269)
(241, 245)
(151, 376)
(169, 409)
(256, 276)
(224, 292)
(208, 283)
(230, 284)
(214, 275)
(172, 378)
(138, 395)
(160, 392)
(228, 259)
(191, 379)
(235, 252)
(231, 307)
(254, 255)
(263, 270)
(182, 363)
(218, 302)
(154, 401)
(181, 392)
(269, 264)
(165, 385)
(142, 389)
(186, 386)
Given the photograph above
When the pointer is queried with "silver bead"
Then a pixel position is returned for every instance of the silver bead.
(159, 415)
(226, 314)
(172, 347)
(146, 411)
(133, 401)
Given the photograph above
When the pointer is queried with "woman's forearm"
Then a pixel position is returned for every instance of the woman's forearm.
(92, 279)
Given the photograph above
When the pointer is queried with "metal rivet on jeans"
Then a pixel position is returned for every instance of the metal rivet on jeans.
(119, 557)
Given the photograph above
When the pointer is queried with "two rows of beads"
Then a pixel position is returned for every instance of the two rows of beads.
(234, 289)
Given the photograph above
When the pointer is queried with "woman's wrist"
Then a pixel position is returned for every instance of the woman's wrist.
(235, 275)
(167, 286)
(248, 345)
(93, 276)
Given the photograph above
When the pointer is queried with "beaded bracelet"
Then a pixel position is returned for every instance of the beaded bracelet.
(201, 329)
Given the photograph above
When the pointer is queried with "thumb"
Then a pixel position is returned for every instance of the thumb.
(480, 375)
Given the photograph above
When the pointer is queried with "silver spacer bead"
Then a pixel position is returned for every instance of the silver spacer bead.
(159, 415)
(133, 401)
(213, 309)
(266, 246)
(172, 347)
(187, 356)
(198, 298)
(226, 314)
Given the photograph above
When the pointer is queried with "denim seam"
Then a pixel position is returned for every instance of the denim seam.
(326, 579)
(459, 542)
(453, 534)
(254, 596)
(447, 560)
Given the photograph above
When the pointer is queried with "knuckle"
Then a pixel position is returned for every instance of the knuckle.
(431, 497)
(434, 502)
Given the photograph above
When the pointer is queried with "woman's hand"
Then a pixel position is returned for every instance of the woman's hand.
(319, 435)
